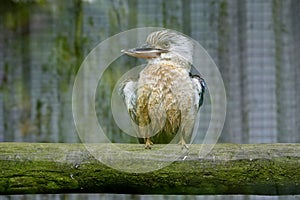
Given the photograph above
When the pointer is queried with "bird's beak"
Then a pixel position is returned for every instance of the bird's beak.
(145, 52)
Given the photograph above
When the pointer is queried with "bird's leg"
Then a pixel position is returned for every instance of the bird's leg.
(183, 143)
(186, 132)
(182, 140)
(148, 143)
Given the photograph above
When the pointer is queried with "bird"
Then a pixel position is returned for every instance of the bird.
(165, 98)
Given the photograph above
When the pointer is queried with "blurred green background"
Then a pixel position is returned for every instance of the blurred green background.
(254, 43)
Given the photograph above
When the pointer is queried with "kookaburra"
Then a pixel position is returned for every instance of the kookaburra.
(164, 101)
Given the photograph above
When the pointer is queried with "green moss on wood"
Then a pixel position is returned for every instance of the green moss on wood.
(228, 169)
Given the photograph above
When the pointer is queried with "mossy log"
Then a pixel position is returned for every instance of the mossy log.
(270, 169)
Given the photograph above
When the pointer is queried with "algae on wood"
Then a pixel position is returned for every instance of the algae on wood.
(271, 169)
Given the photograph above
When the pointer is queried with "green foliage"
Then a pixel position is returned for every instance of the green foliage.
(17, 13)
(67, 51)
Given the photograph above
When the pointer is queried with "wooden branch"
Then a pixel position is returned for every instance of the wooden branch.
(270, 169)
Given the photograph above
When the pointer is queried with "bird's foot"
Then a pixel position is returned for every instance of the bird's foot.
(148, 144)
(184, 145)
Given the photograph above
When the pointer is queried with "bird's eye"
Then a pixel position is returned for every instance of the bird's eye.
(166, 44)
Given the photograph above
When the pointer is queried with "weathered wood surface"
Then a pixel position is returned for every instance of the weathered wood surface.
(271, 169)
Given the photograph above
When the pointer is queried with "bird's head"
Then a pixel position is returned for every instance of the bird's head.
(165, 45)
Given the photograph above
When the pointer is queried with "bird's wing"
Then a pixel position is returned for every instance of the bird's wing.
(200, 87)
(128, 89)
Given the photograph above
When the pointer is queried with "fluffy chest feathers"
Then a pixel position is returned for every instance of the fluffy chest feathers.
(167, 85)
(165, 95)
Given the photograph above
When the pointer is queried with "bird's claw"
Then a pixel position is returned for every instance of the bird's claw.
(148, 144)
(183, 145)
